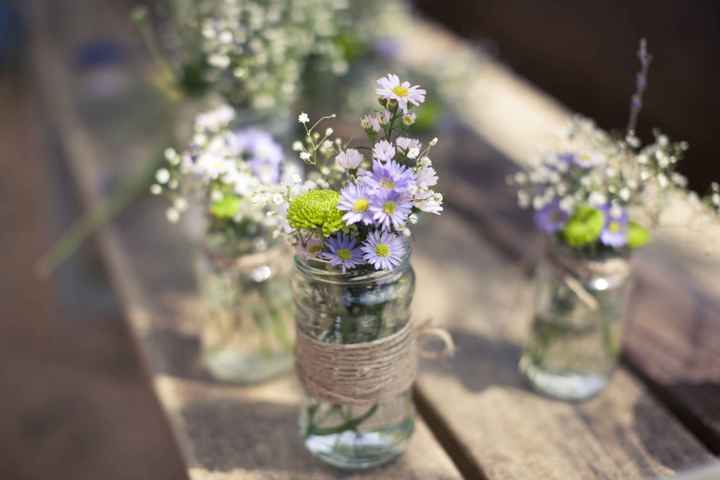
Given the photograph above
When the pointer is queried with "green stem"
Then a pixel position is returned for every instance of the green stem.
(96, 218)
(140, 17)
(350, 424)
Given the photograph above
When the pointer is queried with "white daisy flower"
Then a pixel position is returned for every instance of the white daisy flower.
(390, 88)
(406, 144)
(350, 159)
(426, 177)
(384, 151)
(303, 118)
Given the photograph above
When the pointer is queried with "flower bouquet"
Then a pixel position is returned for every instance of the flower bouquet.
(353, 283)
(251, 52)
(595, 197)
(242, 268)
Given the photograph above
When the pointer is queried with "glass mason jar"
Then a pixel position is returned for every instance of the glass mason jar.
(354, 308)
(575, 338)
(247, 334)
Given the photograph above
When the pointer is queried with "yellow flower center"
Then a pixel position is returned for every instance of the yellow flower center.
(389, 207)
(382, 249)
(614, 227)
(401, 91)
(344, 253)
(315, 248)
(360, 205)
(387, 184)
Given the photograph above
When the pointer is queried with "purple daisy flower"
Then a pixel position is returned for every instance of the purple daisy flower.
(391, 209)
(342, 252)
(551, 218)
(383, 250)
(264, 155)
(583, 161)
(614, 233)
(355, 200)
(390, 176)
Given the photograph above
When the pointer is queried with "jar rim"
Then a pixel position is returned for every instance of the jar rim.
(321, 270)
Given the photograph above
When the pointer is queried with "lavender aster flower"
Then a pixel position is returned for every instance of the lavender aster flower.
(342, 252)
(390, 176)
(384, 151)
(391, 209)
(264, 155)
(614, 233)
(355, 200)
(582, 160)
(551, 218)
(383, 250)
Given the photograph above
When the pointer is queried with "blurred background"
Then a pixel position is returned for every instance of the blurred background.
(76, 401)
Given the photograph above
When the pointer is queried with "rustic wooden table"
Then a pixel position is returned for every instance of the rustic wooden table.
(477, 418)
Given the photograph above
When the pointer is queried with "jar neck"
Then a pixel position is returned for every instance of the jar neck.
(253, 241)
(613, 266)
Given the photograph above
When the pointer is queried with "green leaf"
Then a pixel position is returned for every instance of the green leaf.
(226, 208)
(584, 227)
(638, 236)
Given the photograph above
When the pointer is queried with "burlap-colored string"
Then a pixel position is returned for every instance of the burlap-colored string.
(577, 270)
(362, 373)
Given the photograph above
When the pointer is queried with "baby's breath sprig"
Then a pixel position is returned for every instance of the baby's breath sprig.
(597, 192)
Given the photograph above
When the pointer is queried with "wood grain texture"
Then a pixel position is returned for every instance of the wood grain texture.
(673, 327)
(224, 432)
(465, 283)
(511, 432)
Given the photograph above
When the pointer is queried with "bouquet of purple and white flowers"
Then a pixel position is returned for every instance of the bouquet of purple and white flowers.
(228, 170)
(357, 206)
(598, 192)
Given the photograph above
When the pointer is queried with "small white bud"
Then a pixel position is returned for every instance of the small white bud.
(172, 215)
(162, 176)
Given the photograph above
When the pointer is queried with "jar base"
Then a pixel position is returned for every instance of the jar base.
(361, 450)
(570, 386)
(247, 369)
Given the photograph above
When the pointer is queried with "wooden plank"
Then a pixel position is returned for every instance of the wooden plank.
(672, 340)
(511, 432)
(482, 401)
(224, 432)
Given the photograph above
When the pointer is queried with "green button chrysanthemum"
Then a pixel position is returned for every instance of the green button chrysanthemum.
(637, 236)
(584, 227)
(227, 207)
(316, 209)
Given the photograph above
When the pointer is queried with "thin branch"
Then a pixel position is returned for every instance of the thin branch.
(640, 86)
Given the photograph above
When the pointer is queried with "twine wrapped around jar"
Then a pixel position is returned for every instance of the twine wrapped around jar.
(363, 373)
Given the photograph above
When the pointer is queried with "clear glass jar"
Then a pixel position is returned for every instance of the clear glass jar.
(353, 308)
(247, 334)
(576, 332)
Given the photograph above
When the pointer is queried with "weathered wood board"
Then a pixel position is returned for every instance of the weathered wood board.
(471, 280)
(672, 339)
